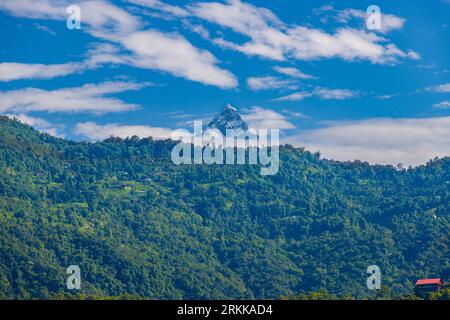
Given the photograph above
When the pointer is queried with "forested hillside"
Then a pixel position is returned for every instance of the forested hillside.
(139, 226)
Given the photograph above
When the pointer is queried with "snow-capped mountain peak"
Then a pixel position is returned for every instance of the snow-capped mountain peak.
(229, 106)
(229, 118)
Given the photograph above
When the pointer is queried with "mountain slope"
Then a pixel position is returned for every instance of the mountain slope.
(136, 224)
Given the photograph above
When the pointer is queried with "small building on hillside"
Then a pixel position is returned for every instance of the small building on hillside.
(425, 286)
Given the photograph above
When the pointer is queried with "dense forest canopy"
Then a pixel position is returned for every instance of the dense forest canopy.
(140, 226)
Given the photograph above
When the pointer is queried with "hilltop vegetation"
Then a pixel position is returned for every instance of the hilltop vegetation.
(139, 226)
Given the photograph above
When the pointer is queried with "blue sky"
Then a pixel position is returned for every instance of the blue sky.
(310, 68)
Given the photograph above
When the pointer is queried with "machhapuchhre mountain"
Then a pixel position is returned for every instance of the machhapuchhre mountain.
(229, 118)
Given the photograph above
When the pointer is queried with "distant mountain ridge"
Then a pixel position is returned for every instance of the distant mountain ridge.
(140, 226)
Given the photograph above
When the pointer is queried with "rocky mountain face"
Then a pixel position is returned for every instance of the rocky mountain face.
(229, 118)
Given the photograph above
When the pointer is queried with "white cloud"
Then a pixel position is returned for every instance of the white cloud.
(10, 71)
(45, 29)
(413, 55)
(104, 53)
(198, 29)
(151, 49)
(161, 6)
(272, 39)
(296, 114)
(389, 22)
(334, 94)
(99, 54)
(260, 118)
(174, 54)
(385, 96)
(103, 18)
(108, 21)
(36, 9)
(240, 17)
(95, 131)
(322, 93)
(269, 83)
(296, 96)
(293, 72)
(443, 88)
(38, 123)
(442, 105)
(91, 98)
(383, 141)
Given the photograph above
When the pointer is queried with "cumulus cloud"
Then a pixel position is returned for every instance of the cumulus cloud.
(161, 6)
(442, 88)
(442, 105)
(382, 141)
(98, 55)
(261, 118)
(322, 93)
(94, 131)
(102, 17)
(150, 49)
(92, 98)
(45, 29)
(272, 39)
(296, 114)
(38, 9)
(389, 22)
(386, 96)
(10, 71)
(413, 55)
(174, 54)
(334, 94)
(269, 83)
(293, 72)
(296, 96)
(107, 20)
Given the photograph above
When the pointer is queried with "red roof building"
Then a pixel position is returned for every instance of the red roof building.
(435, 281)
(427, 286)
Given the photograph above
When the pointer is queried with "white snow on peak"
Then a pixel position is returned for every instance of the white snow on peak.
(229, 106)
